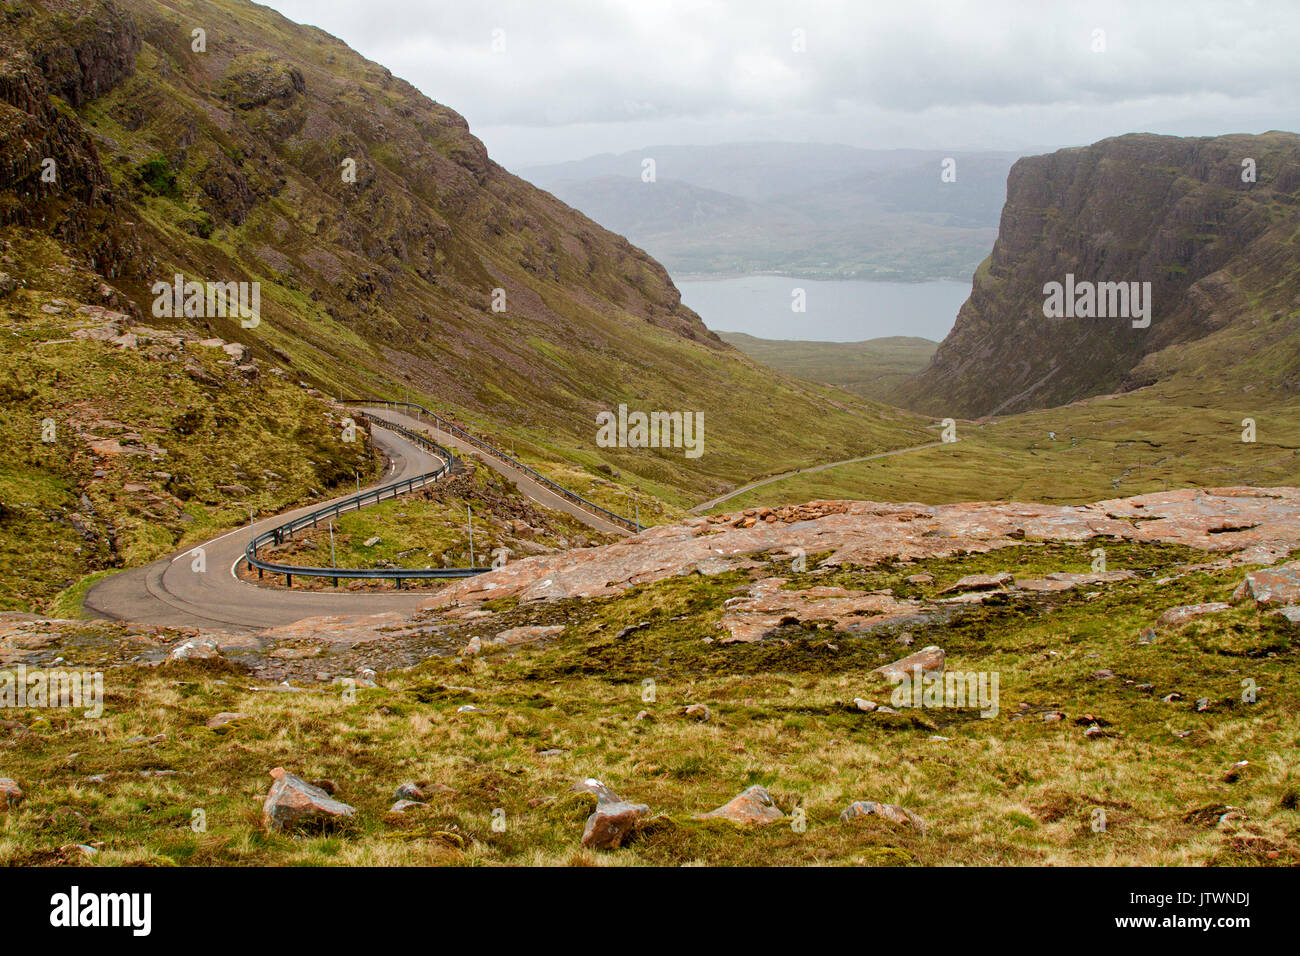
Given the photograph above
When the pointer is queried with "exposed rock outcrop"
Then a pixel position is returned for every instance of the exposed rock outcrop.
(866, 533)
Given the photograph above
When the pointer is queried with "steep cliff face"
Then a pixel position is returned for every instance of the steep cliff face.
(1181, 214)
(50, 170)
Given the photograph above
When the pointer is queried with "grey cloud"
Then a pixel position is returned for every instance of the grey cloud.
(587, 63)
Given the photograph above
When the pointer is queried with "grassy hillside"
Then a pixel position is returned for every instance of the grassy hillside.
(384, 284)
(1185, 431)
(1076, 767)
(232, 163)
(871, 368)
(119, 449)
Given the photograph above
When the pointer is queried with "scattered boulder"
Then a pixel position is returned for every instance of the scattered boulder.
(295, 804)
(929, 659)
(223, 721)
(1291, 614)
(196, 649)
(1271, 586)
(888, 811)
(526, 635)
(631, 629)
(401, 806)
(475, 646)
(612, 823)
(752, 807)
(698, 712)
(603, 793)
(1177, 616)
(10, 793)
(371, 542)
(866, 706)
(409, 792)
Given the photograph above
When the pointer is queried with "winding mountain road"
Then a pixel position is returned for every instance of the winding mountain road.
(526, 484)
(169, 592)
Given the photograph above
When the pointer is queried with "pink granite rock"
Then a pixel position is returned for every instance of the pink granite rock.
(753, 807)
(295, 804)
(887, 811)
(611, 824)
(929, 659)
(1176, 616)
(1278, 586)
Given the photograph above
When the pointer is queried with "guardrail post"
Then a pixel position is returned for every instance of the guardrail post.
(399, 584)
(288, 580)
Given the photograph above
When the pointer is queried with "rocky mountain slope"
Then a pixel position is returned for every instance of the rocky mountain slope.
(392, 254)
(1219, 250)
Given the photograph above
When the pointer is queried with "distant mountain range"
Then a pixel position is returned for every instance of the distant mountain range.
(805, 209)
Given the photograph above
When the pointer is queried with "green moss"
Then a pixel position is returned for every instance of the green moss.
(157, 176)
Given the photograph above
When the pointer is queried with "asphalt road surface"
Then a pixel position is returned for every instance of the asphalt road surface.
(529, 486)
(170, 592)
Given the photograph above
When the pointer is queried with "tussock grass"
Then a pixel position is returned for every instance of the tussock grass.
(1008, 790)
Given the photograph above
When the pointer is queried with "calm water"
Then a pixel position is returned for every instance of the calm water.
(844, 311)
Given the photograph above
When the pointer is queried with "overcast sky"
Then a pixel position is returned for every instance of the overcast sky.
(550, 80)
